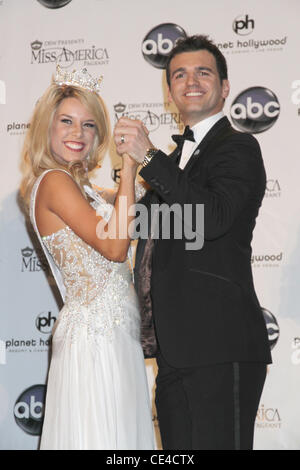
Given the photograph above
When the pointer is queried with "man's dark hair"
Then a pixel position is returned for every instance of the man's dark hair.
(198, 43)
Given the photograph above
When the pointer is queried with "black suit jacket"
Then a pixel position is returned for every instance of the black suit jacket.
(203, 301)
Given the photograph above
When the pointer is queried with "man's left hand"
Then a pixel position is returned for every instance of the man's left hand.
(131, 137)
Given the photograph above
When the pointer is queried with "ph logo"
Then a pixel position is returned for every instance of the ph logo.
(2, 92)
(45, 322)
(243, 25)
(255, 110)
(29, 410)
(159, 42)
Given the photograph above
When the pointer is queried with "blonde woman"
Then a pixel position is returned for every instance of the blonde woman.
(97, 393)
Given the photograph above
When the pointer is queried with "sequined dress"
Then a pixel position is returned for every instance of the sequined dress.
(97, 392)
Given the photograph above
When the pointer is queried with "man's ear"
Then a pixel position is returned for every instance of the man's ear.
(225, 88)
(170, 99)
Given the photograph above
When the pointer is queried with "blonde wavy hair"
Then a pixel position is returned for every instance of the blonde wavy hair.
(36, 154)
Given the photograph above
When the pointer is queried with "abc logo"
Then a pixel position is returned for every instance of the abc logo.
(255, 110)
(54, 3)
(159, 42)
(272, 327)
(45, 322)
(242, 25)
(29, 410)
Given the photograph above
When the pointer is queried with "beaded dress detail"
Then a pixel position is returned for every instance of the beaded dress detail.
(97, 393)
(93, 284)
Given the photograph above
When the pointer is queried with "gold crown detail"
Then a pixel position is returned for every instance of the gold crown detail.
(79, 78)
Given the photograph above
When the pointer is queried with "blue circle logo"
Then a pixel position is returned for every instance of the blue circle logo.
(29, 410)
(255, 110)
(159, 42)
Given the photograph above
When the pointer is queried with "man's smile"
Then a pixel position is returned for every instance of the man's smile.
(194, 93)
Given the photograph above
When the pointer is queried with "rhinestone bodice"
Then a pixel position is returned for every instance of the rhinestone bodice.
(97, 290)
(99, 294)
(85, 272)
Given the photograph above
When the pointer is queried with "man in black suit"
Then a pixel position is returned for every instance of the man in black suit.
(199, 307)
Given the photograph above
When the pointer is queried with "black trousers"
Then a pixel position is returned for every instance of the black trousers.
(208, 408)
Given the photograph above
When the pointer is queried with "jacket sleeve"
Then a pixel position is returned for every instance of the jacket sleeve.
(235, 178)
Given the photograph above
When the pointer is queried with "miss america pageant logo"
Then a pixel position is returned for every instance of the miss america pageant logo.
(31, 262)
(66, 52)
(153, 115)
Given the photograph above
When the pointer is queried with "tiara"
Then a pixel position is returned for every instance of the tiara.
(80, 79)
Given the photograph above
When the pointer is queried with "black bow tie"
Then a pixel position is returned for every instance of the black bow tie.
(187, 135)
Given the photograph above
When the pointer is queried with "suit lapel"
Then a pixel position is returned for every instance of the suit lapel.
(212, 135)
(175, 155)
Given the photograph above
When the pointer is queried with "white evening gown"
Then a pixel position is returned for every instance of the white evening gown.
(97, 394)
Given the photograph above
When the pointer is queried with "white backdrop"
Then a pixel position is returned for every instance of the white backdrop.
(126, 41)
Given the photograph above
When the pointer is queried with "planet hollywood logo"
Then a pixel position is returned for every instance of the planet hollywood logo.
(54, 3)
(243, 25)
(44, 322)
(29, 410)
(272, 327)
(270, 260)
(158, 43)
(33, 262)
(67, 52)
(255, 110)
(153, 115)
(28, 345)
(17, 128)
(251, 45)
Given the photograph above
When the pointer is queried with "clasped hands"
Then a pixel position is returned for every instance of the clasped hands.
(131, 138)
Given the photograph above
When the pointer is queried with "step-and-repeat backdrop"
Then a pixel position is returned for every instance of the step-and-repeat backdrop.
(127, 42)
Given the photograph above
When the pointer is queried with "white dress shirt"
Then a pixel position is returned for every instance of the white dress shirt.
(200, 130)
